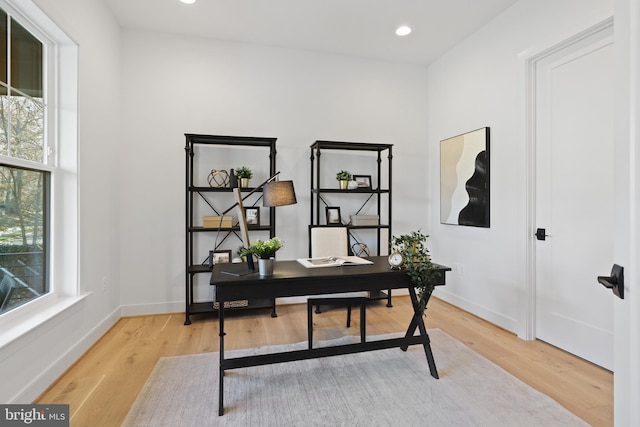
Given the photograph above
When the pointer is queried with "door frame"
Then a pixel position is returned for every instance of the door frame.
(529, 63)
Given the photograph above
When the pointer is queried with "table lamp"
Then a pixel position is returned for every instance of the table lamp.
(274, 193)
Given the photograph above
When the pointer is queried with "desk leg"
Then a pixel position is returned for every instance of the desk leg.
(418, 322)
(221, 370)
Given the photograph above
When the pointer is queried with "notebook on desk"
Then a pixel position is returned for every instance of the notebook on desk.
(331, 261)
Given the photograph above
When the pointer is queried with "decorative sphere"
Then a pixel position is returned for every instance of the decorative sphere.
(218, 178)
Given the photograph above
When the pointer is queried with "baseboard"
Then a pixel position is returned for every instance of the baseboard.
(484, 313)
(49, 375)
(154, 308)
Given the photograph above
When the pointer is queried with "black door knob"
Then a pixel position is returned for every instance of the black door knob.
(541, 234)
(615, 282)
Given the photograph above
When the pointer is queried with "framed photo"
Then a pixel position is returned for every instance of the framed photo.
(218, 257)
(464, 179)
(253, 215)
(333, 215)
(364, 181)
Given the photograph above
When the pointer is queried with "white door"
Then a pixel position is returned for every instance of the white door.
(575, 198)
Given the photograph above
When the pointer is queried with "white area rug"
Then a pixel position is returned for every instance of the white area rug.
(378, 388)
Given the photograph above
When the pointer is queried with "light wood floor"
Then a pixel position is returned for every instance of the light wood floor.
(101, 387)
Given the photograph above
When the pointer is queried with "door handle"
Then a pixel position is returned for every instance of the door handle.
(615, 282)
(541, 234)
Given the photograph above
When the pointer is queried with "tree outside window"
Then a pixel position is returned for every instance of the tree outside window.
(24, 177)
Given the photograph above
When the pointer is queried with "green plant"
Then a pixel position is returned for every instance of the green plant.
(417, 263)
(244, 172)
(343, 176)
(262, 249)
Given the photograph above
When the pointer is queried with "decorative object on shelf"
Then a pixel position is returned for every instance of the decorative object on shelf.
(232, 304)
(352, 185)
(218, 257)
(343, 177)
(364, 220)
(217, 222)
(253, 215)
(360, 249)
(218, 178)
(363, 181)
(265, 251)
(244, 174)
(333, 215)
(417, 263)
(464, 179)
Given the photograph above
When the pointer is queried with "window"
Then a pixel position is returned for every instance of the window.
(25, 172)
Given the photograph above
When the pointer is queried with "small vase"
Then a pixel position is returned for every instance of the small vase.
(244, 182)
(344, 184)
(265, 266)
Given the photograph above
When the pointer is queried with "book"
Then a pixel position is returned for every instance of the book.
(332, 261)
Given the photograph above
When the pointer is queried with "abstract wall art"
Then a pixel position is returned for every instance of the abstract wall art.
(464, 179)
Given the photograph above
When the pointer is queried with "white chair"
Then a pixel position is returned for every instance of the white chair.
(333, 241)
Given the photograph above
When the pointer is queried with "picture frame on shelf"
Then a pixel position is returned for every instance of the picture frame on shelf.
(333, 215)
(252, 214)
(221, 256)
(364, 181)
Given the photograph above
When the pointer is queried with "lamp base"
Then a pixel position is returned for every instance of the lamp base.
(240, 269)
(250, 264)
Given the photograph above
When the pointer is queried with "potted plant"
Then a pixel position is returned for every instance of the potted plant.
(343, 177)
(417, 263)
(264, 251)
(244, 174)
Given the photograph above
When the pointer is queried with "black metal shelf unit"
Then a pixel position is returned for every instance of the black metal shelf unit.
(374, 193)
(210, 195)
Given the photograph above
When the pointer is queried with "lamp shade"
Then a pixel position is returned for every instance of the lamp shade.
(278, 193)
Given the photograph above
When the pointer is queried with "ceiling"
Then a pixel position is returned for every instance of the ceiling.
(364, 28)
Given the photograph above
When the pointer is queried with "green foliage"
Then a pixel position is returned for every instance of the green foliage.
(343, 176)
(22, 205)
(244, 172)
(262, 249)
(417, 263)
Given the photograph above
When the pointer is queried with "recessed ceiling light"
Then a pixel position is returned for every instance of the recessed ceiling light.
(403, 30)
(188, 1)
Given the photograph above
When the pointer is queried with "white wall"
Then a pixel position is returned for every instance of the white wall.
(32, 362)
(476, 84)
(176, 85)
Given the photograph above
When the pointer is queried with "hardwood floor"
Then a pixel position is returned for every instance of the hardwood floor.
(101, 387)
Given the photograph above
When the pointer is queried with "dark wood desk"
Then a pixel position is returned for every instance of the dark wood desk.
(291, 279)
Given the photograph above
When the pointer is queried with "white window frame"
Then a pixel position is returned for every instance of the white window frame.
(61, 154)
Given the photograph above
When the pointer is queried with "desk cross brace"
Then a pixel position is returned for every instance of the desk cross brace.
(266, 359)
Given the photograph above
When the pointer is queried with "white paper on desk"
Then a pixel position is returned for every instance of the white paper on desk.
(333, 261)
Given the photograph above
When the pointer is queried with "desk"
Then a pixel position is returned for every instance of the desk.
(291, 279)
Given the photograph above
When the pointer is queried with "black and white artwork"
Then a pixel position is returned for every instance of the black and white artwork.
(464, 179)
